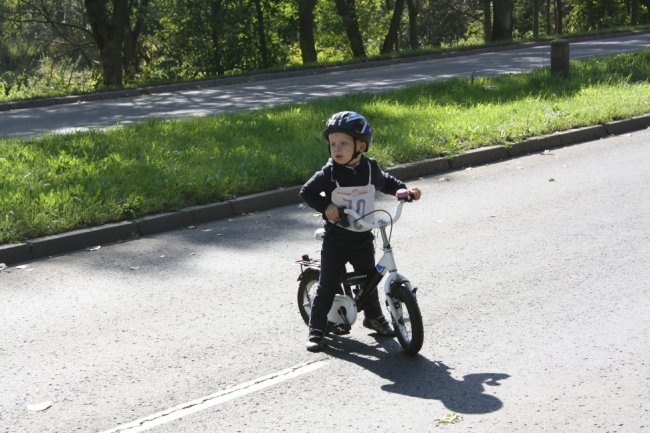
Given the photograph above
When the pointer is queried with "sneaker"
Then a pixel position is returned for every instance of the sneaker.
(380, 325)
(316, 341)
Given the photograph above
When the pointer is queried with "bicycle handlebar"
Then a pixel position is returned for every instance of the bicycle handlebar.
(402, 196)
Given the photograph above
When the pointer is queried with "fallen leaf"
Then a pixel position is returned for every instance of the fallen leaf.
(135, 268)
(3, 266)
(450, 418)
(21, 267)
(95, 248)
(39, 406)
(552, 179)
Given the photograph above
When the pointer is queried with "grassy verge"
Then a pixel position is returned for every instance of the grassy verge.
(53, 183)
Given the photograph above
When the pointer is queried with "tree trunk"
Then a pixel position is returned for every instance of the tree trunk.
(131, 62)
(348, 13)
(413, 24)
(216, 32)
(261, 35)
(109, 33)
(536, 18)
(116, 41)
(487, 20)
(591, 18)
(548, 17)
(558, 17)
(390, 42)
(502, 23)
(306, 30)
(634, 12)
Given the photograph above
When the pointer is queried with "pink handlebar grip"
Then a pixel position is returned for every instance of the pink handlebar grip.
(403, 194)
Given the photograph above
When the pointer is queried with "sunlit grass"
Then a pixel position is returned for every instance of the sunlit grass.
(60, 182)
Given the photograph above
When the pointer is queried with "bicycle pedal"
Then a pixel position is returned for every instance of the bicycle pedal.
(339, 329)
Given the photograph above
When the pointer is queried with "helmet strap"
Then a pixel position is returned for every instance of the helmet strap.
(356, 152)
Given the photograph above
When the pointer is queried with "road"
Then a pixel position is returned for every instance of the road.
(534, 287)
(203, 102)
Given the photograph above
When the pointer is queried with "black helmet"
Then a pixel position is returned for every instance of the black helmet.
(351, 123)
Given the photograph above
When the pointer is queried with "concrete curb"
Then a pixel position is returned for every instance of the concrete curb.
(148, 225)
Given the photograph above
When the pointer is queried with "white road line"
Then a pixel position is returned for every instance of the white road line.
(217, 398)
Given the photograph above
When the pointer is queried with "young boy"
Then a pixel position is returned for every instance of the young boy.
(349, 179)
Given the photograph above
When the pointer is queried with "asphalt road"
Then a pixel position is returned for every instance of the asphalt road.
(203, 102)
(533, 276)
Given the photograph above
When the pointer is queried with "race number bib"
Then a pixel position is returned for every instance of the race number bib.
(358, 198)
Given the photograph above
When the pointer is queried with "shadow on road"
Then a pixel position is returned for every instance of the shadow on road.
(420, 377)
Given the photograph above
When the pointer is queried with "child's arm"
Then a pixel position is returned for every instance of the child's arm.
(311, 192)
(389, 184)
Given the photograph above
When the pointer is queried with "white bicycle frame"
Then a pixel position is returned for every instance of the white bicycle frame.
(386, 264)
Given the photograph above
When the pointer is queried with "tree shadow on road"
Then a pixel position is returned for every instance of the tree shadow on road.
(418, 376)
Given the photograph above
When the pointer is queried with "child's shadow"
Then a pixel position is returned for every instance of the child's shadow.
(418, 376)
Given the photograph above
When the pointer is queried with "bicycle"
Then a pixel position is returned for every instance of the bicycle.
(355, 287)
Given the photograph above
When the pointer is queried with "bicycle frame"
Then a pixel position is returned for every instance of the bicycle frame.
(368, 282)
(356, 287)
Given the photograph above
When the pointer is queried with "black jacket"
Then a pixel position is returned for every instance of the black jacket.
(324, 181)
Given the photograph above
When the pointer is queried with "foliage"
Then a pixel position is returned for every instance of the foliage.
(61, 182)
(46, 48)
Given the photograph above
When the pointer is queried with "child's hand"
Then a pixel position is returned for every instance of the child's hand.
(332, 213)
(415, 193)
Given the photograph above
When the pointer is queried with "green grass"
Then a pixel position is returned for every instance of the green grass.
(56, 183)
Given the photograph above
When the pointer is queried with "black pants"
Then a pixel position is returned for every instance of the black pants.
(333, 258)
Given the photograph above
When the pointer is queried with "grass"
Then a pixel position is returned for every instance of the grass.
(56, 183)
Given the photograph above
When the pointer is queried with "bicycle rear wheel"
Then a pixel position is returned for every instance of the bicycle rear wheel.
(408, 323)
(307, 292)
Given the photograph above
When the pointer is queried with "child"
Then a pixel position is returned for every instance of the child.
(349, 179)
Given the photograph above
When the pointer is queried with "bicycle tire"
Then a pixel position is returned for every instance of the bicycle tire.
(408, 328)
(306, 292)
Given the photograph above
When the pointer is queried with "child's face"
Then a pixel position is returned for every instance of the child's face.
(342, 148)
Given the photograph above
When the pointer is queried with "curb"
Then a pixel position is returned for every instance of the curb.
(152, 224)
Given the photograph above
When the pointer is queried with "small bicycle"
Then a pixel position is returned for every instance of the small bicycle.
(355, 287)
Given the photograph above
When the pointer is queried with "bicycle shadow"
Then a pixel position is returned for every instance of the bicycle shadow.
(417, 376)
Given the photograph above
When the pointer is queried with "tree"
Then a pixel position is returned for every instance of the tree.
(413, 24)
(502, 22)
(347, 11)
(487, 20)
(261, 35)
(43, 43)
(634, 12)
(216, 35)
(116, 27)
(390, 42)
(306, 30)
(536, 18)
(558, 17)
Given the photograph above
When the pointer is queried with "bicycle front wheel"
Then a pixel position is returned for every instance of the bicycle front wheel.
(408, 323)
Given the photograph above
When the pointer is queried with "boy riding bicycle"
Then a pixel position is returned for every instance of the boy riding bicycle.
(348, 179)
